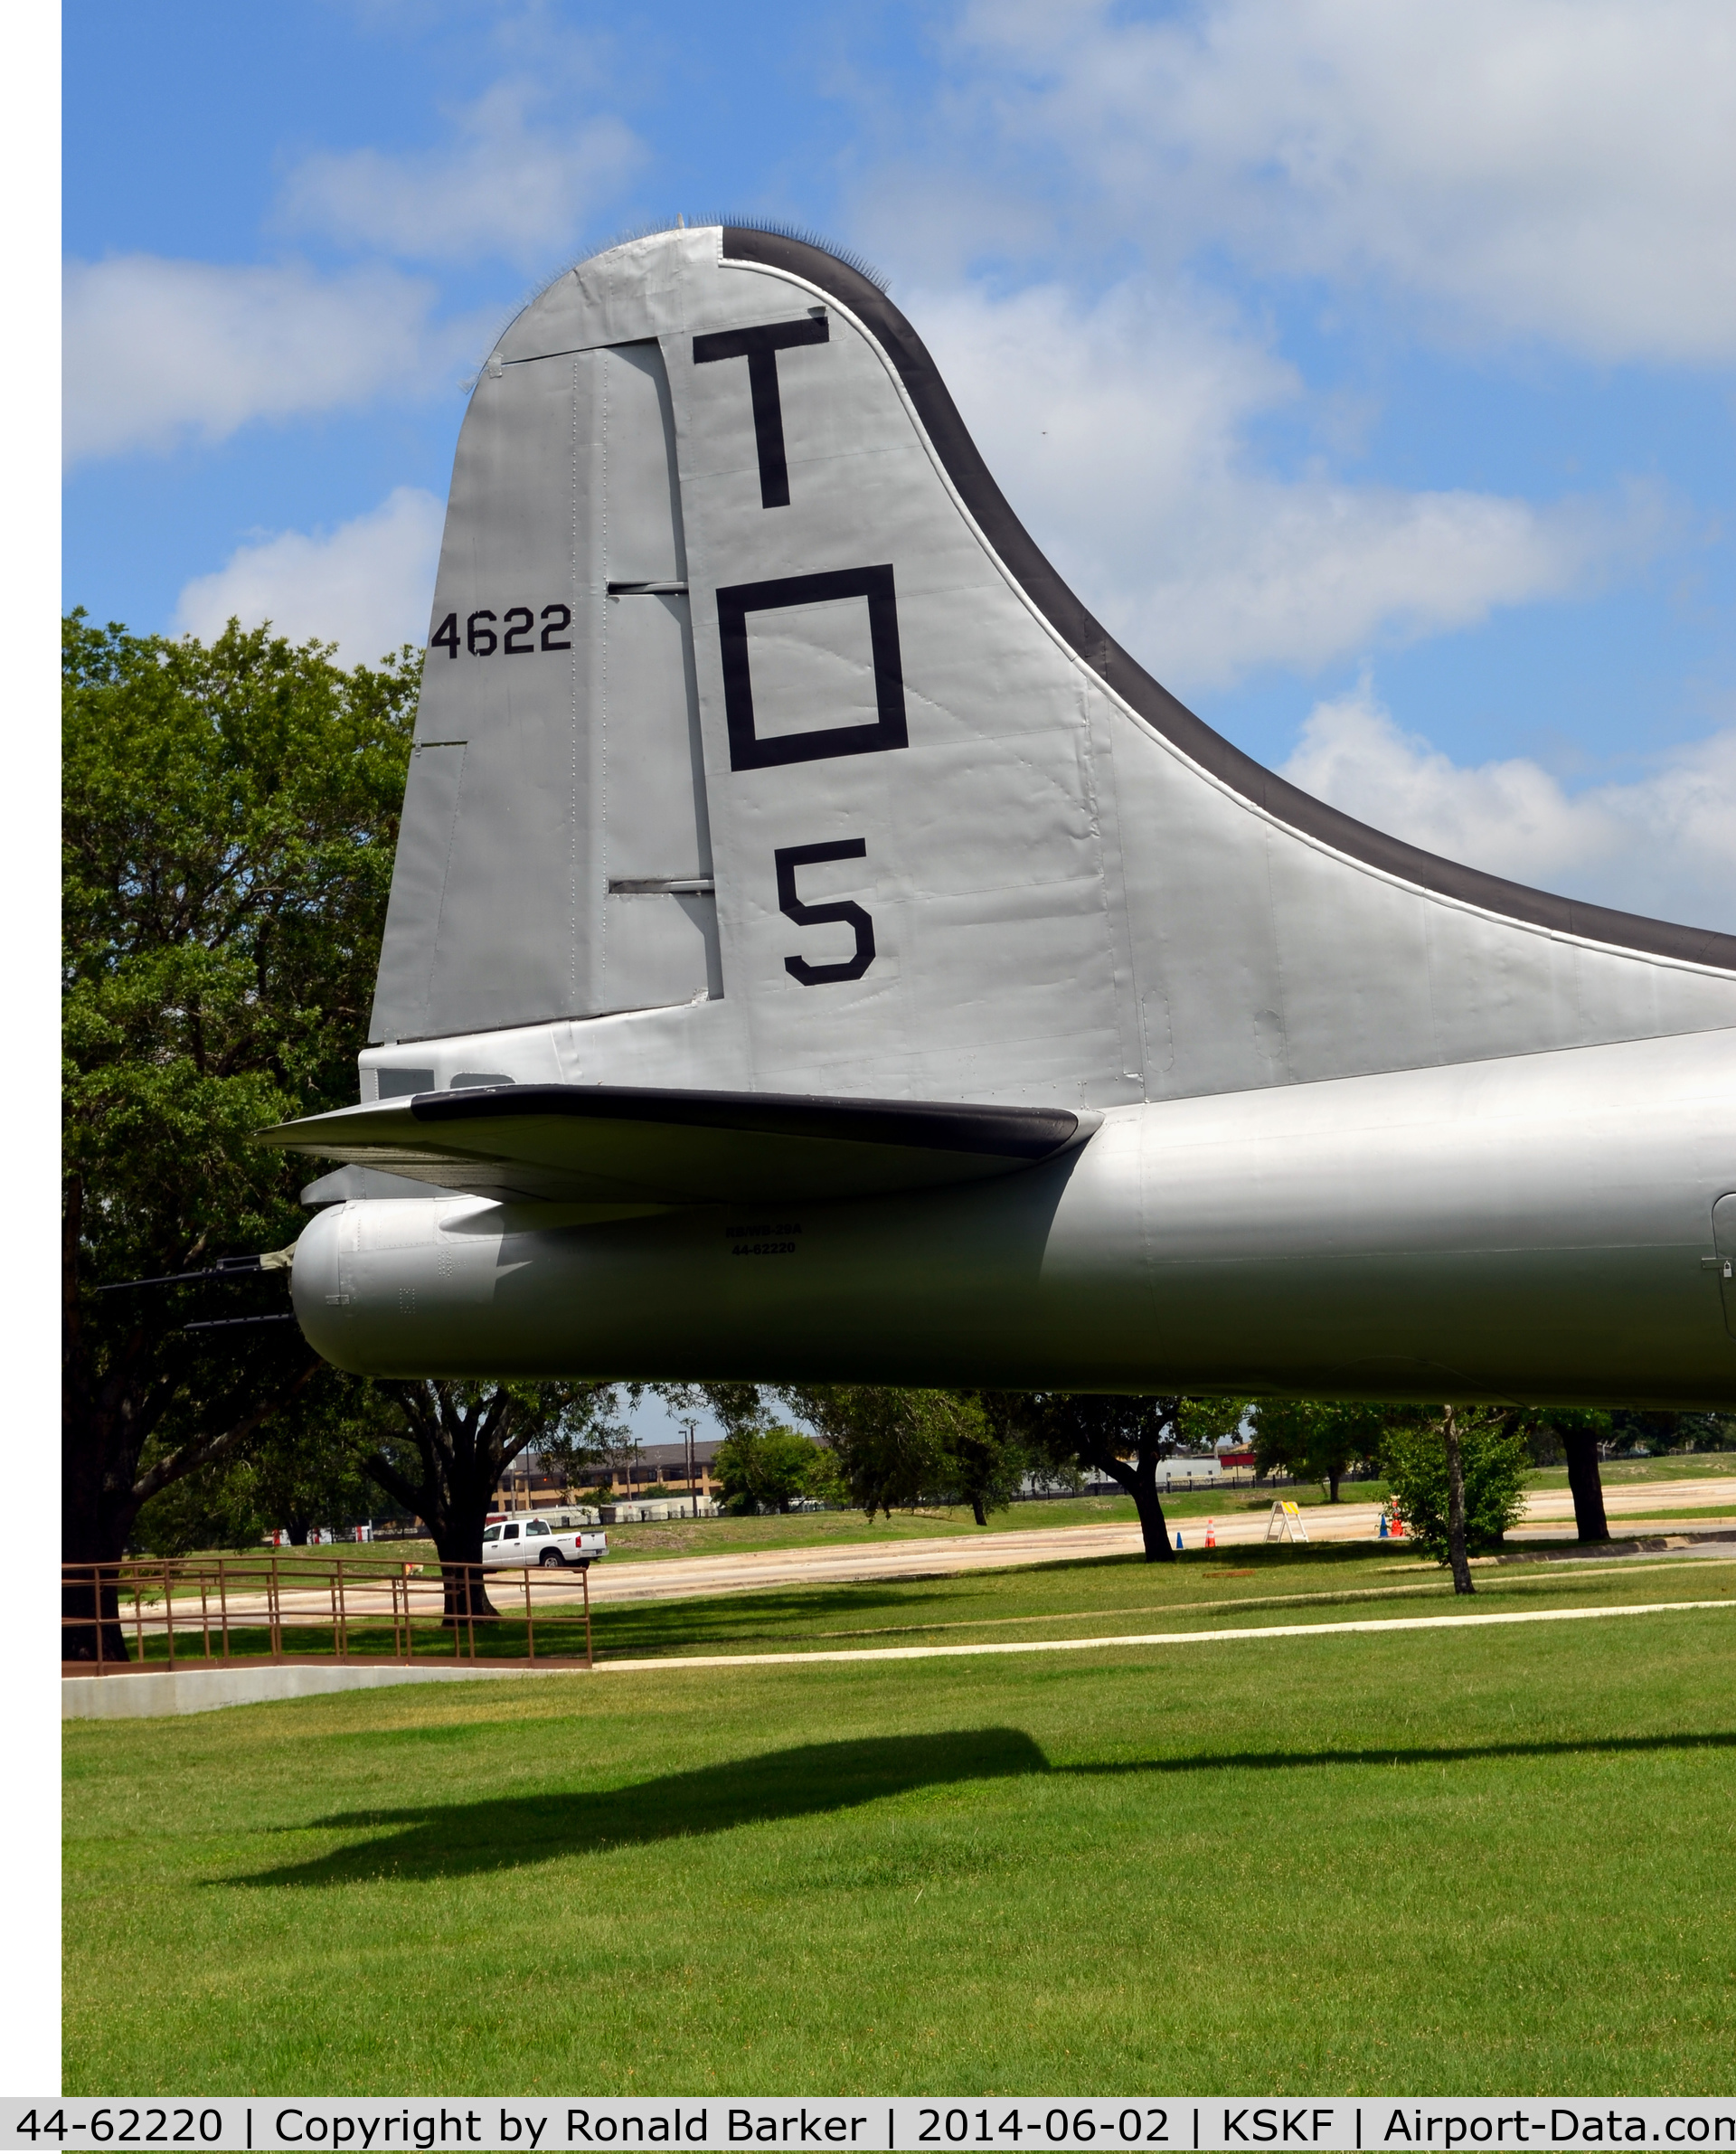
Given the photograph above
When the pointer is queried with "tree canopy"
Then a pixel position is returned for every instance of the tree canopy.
(767, 1469)
(230, 811)
(1494, 1462)
(1317, 1439)
(1125, 1435)
(897, 1446)
(445, 1454)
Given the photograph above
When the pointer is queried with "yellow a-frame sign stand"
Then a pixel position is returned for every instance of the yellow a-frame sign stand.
(1286, 1523)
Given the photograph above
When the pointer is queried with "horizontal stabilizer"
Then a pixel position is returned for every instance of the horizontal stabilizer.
(603, 1144)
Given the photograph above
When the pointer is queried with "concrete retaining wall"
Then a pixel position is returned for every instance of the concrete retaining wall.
(203, 1690)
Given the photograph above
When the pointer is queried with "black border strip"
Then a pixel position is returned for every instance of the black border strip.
(1092, 642)
(1022, 1133)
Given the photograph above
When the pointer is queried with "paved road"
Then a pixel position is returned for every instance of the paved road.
(689, 1577)
(685, 1577)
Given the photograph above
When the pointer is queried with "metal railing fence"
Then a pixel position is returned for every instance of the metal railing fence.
(145, 1613)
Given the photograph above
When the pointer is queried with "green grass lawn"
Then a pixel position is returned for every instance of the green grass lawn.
(1619, 1473)
(1485, 1861)
(1121, 1595)
(1706, 1511)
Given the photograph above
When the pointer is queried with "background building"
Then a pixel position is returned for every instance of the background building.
(526, 1486)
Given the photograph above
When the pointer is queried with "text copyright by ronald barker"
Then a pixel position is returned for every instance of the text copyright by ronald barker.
(1179, 2122)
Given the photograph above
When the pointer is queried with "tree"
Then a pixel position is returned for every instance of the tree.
(1123, 1435)
(1576, 1433)
(456, 1440)
(306, 1474)
(217, 1508)
(1317, 1439)
(736, 1405)
(1580, 1430)
(309, 1470)
(587, 1440)
(987, 1462)
(1661, 1429)
(1709, 1431)
(769, 1470)
(890, 1442)
(230, 811)
(896, 1447)
(1492, 1464)
(1457, 1554)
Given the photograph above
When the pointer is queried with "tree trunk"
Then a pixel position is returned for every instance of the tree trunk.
(1462, 1582)
(978, 1512)
(90, 1604)
(1332, 1488)
(458, 1542)
(96, 1506)
(1140, 1481)
(97, 1515)
(1587, 1484)
(102, 1540)
(465, 1591)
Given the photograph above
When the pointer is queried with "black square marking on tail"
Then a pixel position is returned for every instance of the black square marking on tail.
(760, 347)
(748, 752)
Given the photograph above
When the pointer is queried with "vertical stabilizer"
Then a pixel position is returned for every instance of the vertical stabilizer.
(760, 747)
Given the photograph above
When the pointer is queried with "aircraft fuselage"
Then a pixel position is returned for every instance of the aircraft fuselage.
(1538, 1227)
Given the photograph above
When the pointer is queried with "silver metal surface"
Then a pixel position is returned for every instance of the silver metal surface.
(1531, 1228)
(838, 792)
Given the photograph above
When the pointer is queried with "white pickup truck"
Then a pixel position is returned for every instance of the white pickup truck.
(528, 1539)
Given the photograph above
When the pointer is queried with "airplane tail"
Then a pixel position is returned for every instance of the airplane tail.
(762, 750)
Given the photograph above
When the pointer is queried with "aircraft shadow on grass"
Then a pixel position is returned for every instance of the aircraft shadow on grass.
(511, 1832)
(1433, 1753)
(461, 1839)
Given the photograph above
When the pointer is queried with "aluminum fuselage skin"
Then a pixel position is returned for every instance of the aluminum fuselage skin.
(815, 781)
(1537, 1228)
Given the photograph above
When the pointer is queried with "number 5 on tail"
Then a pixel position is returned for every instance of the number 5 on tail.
(789, 859)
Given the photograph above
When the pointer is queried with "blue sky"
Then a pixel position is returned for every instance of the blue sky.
(1369, 369)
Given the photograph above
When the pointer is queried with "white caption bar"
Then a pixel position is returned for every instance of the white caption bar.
(1177, 2122)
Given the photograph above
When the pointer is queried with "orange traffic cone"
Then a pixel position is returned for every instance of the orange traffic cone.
(1210, 1533)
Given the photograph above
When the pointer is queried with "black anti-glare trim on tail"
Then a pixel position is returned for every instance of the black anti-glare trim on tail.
(1093, 643)
(1022, 1133)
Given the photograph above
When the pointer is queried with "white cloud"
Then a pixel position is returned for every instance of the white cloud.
(157, 350)
(1658, 844)
(1559, 169)
(1118, 433)
(366, 586)
(506, 189)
